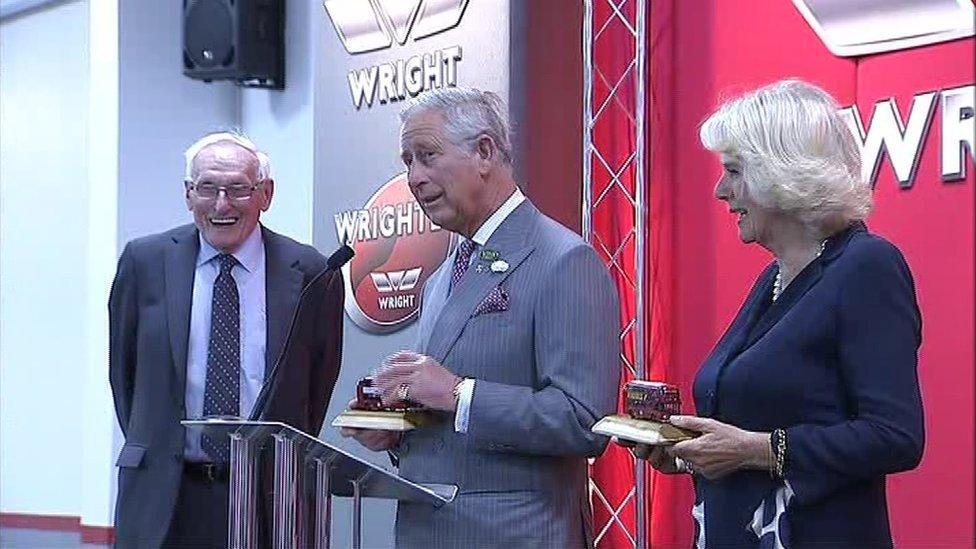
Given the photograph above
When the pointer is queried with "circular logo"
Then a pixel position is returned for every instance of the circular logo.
(397, 249)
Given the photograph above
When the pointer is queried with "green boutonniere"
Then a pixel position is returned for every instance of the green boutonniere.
(489, 255)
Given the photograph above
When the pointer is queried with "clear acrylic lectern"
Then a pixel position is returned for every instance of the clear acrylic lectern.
(307, 473)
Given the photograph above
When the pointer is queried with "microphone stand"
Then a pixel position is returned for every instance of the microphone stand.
(335, 261)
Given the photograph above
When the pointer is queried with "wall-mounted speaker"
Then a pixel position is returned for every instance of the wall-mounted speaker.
(239, 40)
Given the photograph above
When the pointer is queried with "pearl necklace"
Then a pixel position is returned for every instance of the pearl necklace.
(778, 282)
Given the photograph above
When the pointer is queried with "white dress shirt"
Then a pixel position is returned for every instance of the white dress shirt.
(481, 236)
(249, 275)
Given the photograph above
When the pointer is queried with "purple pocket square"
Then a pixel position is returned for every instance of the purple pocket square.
(495, 302)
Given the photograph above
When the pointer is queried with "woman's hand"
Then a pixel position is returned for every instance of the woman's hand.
(721, 448)
(657, 456)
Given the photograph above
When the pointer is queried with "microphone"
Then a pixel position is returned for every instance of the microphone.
(338, 258)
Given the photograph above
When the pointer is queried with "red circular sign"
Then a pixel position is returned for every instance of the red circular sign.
(397, 249)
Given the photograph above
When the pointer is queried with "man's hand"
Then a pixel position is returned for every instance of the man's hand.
(418, 378)
(374, 439)
(721, 449)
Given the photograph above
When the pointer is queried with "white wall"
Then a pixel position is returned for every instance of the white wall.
(161, 113)
(280, 122)
(94, 116)
(43, 268)
(101, 435)
(73, 193)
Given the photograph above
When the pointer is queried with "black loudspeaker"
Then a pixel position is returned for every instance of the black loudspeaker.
(239, 40)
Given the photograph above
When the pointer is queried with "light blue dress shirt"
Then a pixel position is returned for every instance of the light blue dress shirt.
(250, 277)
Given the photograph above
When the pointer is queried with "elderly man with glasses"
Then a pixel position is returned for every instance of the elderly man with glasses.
(198, 315)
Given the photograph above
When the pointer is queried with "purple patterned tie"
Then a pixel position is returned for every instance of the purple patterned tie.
(462, 260)
(222, 394)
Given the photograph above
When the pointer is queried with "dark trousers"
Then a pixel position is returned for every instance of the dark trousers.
(200, 517)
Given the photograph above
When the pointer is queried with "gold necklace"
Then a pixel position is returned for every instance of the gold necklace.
(778, 282)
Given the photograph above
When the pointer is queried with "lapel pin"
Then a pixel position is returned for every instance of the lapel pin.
(489, 255)
(499, 266)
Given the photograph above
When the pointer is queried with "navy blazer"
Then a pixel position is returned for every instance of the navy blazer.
(833, 362)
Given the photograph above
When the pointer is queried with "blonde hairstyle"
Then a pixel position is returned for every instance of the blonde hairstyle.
(230, 136)
(797, 154)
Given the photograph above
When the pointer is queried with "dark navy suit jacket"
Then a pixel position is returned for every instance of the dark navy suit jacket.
(833, 362)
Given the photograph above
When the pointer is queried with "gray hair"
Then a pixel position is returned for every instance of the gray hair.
(230, 136)
(468, 113)
(797, 153)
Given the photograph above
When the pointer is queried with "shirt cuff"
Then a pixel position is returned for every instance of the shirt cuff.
(465, 392)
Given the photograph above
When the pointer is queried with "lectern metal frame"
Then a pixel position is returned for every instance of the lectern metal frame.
(307, 473)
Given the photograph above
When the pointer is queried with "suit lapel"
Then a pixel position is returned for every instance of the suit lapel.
(283, 286)
(179, 268)
(738, 333)
(510, 241)
(796, 290)
(731, 343)
(807, 278)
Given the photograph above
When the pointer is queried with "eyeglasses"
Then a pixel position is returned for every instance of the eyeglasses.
(209, 191)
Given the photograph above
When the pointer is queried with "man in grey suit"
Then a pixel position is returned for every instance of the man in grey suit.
(198, 316)
(518, 346)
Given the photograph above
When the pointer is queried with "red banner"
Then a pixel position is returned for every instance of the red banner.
(912, 106)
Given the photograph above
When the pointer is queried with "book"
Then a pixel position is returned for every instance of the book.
(641, 430)
(386, 421)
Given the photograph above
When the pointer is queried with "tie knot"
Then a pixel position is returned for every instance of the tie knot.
(465, 249)
(227, 263)
(461, 260)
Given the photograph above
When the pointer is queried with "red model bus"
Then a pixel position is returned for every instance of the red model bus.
(368, 398)
(652, 400)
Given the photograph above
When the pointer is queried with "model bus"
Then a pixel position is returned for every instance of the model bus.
(368, 397)
(652, 400)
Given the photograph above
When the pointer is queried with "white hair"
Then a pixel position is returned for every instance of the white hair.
(797, 153)
(232, 136)
(468, 113)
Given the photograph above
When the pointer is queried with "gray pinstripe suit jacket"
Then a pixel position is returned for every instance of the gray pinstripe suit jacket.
(546, 371)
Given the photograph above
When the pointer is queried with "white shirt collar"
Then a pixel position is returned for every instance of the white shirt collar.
(495, 220)
(248, 255)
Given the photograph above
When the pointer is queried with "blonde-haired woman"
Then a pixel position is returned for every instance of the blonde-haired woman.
(811, 397)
